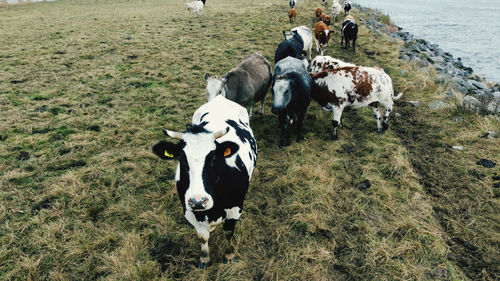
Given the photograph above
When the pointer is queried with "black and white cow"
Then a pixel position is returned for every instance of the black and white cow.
(292, 47)
(349, 32)
(305, 33)
(347, 7)
(291, 95)
(217, 155)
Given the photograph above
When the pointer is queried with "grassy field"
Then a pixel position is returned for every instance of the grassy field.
(86, 86)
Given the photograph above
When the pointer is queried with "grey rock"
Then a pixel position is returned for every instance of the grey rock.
(471, 102)
(442, 79)
(403, 72)
(492, 107)
(414, 103)
(496, 97)
(456, 87)
(437, 59)
(458, 147)
(438, 104)
(475, 77)
(458, 119)
(397, 115)
(490, 135)
(479, 85)
(447, 95)
(405, 57)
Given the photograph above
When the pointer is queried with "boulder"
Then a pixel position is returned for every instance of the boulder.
(479, 85)
(438, 104)
(414, 103)
(471, 102)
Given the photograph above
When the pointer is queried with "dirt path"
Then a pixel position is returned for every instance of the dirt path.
(456, 188)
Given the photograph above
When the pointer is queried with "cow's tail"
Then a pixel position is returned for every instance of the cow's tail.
(398, 96)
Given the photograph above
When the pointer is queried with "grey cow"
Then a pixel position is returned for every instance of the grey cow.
(245, 84)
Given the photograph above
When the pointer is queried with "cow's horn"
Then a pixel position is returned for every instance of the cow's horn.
(221, 133)
(172, 134)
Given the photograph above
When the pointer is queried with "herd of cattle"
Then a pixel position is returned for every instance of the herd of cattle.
(217, 152)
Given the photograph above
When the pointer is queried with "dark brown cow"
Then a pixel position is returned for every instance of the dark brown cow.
(356, 86)
(321, 35)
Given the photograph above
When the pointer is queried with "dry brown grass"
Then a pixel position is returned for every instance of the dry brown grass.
(85, 88)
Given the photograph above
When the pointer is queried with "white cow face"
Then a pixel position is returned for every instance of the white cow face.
(215, 86)
(202, 161)
(281, 94)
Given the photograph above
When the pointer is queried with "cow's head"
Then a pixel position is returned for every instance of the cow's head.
(215, 86)
(201, 163)
(282, 91)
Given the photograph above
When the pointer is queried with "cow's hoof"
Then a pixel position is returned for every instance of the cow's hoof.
(334, 137)
(284, 143)
(380, 131)
(230, 258)
(203, 265)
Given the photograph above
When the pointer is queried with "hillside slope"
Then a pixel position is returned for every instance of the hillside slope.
(86, 87)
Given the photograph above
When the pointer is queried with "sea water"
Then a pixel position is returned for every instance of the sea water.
(467, 29)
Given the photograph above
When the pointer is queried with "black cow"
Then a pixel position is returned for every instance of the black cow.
(291, 95)
(293, 47)
(347, 7)
(349, 32)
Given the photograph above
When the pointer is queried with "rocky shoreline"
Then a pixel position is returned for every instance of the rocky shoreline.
(463, 87)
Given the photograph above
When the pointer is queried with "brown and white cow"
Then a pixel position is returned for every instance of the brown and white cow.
(320, 63)
(321, 35)
(356, 86)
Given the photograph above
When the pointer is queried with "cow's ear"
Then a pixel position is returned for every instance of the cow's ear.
(166, 150)
(227, 149)
(207, 76)
(224, 79)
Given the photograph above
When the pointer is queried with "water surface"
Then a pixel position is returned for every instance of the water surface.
(467, 29)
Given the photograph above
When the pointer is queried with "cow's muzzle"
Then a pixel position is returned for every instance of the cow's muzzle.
(276, 110)
(197, 205)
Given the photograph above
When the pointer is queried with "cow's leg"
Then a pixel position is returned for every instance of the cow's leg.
(262, 107)
(203, 234)
(376, 112)
(250, 109)
(385, 124)
(337, 113)
(354, 44)
(317, 44)
(228, 229)
(342, 40)
(300, 121)
(283, 124)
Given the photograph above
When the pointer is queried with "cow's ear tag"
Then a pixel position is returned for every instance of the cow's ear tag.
(168, 154)
(227, 152)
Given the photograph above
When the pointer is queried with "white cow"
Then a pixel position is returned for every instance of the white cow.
(196, 7)
(336, 9)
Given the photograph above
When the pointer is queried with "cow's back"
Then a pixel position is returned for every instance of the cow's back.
(254, 70)
(358, 85)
